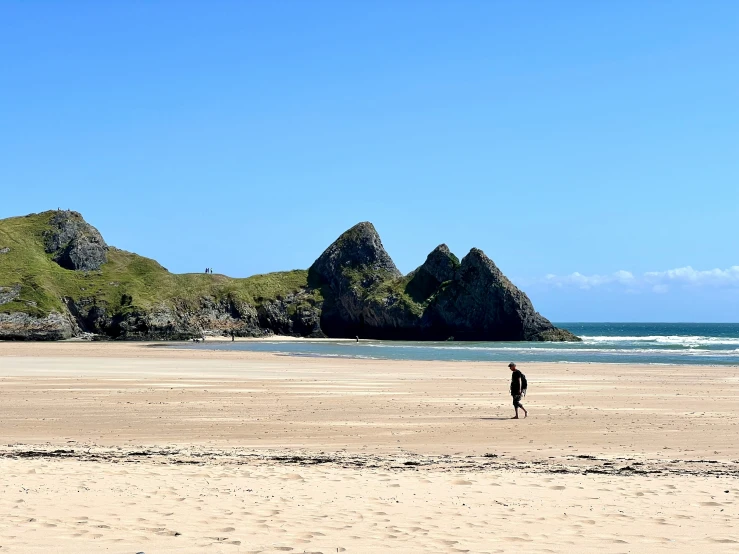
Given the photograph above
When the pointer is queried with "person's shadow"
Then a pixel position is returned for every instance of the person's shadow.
(495, 418)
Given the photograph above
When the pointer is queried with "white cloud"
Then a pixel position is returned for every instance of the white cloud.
(589, 281)
(692, 276)
(657, 281)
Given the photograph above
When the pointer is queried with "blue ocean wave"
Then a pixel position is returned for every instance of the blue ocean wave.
(655, 343)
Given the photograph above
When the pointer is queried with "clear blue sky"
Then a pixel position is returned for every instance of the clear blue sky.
(559, 137)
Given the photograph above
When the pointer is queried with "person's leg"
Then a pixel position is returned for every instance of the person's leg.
(517, 404)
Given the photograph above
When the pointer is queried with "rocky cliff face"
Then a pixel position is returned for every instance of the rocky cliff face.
(365, 295)
(357, 256)
(22, 326)
(8, 294)
(74, 243)
(353, 288)
(292, 315)
(480, 303)
(440, 266)
(355, 263)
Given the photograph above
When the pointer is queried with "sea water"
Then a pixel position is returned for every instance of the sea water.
(647, 343)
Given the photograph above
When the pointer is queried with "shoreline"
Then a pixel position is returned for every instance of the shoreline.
(458, 345)
(133, 349)
(520, 361)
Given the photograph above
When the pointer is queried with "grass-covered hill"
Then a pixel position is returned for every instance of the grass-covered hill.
(34, 284)
(58, 279)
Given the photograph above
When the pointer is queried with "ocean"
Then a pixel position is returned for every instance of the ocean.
(618, 343)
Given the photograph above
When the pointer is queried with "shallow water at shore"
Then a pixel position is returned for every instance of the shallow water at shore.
(644, 343)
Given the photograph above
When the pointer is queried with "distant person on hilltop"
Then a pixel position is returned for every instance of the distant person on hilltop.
(518, 388)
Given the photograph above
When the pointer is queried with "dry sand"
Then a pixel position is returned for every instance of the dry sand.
(123, 447)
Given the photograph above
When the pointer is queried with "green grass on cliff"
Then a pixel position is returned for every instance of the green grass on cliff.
(395, 290)
(125, 280)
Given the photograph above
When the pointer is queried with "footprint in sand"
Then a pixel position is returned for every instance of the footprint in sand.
(461, 482)
(558, 488)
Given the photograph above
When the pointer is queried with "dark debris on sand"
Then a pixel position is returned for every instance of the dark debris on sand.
(575, 464)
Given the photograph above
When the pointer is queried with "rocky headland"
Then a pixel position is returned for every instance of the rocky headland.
(59, 279)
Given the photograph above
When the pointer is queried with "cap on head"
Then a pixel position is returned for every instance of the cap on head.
(511, 365)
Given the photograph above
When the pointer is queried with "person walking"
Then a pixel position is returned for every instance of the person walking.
(517, 389)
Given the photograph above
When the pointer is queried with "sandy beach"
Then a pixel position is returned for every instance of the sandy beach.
(130, 447)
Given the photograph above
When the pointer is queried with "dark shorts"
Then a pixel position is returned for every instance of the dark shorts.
(517, 401)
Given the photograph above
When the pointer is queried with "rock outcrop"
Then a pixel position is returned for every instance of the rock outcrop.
(357, 256)
(74, 243)
(8, 294)
(293, 315)
(480, 303)
(355, 263)
(365, 295)
(23, 326)
(440, 266)
(353, 288)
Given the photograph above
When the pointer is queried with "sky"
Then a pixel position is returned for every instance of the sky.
(591, 149)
